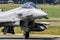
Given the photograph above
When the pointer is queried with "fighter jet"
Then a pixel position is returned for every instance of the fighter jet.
(24, 17)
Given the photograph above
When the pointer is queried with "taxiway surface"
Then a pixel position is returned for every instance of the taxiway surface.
(21, 38)
(32, 39)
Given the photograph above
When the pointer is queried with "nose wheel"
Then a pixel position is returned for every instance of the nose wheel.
(26, 35)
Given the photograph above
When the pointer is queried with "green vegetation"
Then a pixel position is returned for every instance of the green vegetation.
(53, 11)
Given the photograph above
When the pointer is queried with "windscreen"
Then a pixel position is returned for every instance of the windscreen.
(29, 5)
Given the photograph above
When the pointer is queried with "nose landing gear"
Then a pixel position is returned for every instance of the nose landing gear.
(26, 35)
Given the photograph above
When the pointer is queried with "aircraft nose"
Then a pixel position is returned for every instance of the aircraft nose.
(40, 13)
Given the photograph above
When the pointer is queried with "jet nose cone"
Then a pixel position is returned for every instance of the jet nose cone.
(40, 14)
(43, 14)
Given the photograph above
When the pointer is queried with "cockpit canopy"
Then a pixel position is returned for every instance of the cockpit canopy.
(29, 5)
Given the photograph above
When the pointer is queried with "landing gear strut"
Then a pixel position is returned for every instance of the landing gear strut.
(25, 26)
(8, 29)
(26, 35)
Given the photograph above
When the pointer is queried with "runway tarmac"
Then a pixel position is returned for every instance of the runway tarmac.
(30, 39)
(21, 38)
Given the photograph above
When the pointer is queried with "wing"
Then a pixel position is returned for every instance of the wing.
(8, 16)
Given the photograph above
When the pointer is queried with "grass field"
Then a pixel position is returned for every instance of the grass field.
(53, 11)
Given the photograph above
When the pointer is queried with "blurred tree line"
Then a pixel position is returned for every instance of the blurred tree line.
(47, 1)
(40, 1)
(35, 1)
(51, 1)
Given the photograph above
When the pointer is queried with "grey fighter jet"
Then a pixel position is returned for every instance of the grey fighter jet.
(24, 17)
